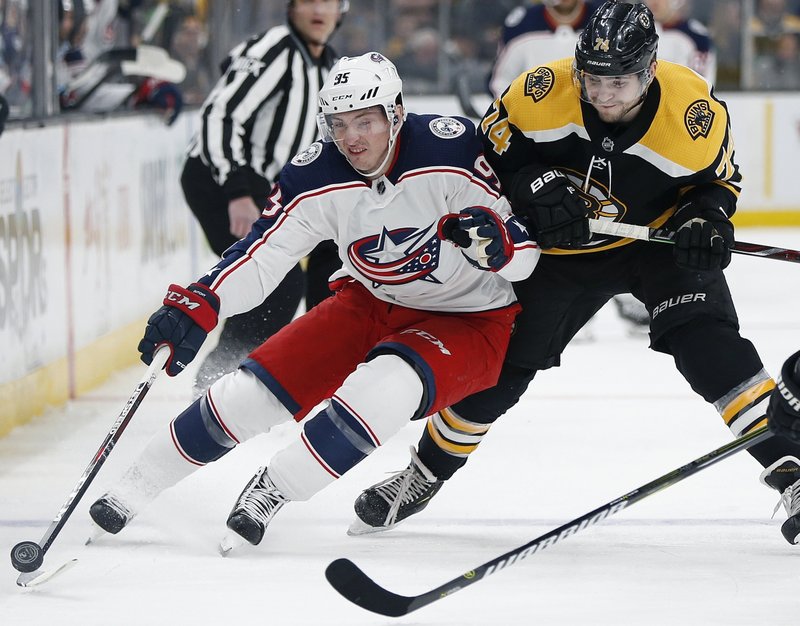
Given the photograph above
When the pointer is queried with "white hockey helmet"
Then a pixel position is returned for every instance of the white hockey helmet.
(361, 82)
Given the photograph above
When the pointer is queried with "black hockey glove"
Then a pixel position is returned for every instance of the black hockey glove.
(783, 414)
(551, 207)
(183, 324)
(482, 235)
(703, 237)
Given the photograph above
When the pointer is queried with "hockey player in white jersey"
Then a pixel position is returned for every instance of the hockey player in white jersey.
(410, 309)
(682, 39)
(538, 34)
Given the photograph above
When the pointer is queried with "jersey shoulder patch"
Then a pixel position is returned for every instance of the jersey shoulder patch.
(447, 127)
(320, 165)
(539, 82)
(699, 118)
(515, 17)
(309, 155)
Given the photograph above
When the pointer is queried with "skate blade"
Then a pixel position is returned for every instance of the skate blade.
(32, 579)
(230, 542)
(358, 528)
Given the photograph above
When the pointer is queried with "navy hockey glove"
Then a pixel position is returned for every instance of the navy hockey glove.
(482, 235)
(183, 324)
(703, 238)
(551, 206)
(783, 414)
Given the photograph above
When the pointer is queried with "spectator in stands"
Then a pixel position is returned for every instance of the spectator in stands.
(782, 69)
(726, 29)
(419, 64)
(772, 19)
(94, 74)
(188, 46)
(15, 57)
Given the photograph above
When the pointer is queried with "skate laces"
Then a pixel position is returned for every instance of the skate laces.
(261, 499)
(790, 500)
(405, 486)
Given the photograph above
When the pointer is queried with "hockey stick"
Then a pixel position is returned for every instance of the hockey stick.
(350, 581)
(28, 556)
(663, 235)
(464, 97)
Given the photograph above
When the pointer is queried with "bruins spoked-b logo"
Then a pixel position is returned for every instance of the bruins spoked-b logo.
(698, 118)
(539, 82)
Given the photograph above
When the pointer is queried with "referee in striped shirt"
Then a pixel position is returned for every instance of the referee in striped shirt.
(260, 113)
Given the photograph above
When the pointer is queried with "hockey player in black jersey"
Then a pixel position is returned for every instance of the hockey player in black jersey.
(612, 134)
(258, 115)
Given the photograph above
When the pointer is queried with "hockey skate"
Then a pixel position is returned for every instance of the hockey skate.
(253, 511)
(784, 475)
(111, 514)
(384, 505)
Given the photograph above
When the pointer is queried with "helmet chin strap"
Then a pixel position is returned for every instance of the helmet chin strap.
(378, 171)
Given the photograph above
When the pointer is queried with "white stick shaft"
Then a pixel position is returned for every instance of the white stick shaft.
(617, 229)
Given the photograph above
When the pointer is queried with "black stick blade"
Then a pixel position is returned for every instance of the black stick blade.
(348, 579)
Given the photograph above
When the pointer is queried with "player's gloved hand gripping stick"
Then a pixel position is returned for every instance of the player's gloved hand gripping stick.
(663, 235)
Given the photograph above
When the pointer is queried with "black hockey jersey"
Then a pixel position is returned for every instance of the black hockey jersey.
(678, 146)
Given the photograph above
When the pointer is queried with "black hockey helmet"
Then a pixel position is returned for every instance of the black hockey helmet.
(619, 39)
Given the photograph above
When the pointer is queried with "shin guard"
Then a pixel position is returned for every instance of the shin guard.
(372, 404)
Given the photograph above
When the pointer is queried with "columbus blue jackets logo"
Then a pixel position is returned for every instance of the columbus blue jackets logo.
(397, 257)
(447, 127)
(308, 155)
(699, 118)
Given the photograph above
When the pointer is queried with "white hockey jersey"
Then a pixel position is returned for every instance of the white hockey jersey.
(688, 42)
(386, 229)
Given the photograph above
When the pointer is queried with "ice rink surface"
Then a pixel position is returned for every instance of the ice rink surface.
(614, 416)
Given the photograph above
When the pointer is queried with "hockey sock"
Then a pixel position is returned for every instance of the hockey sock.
(372, 404)
(447, 432)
